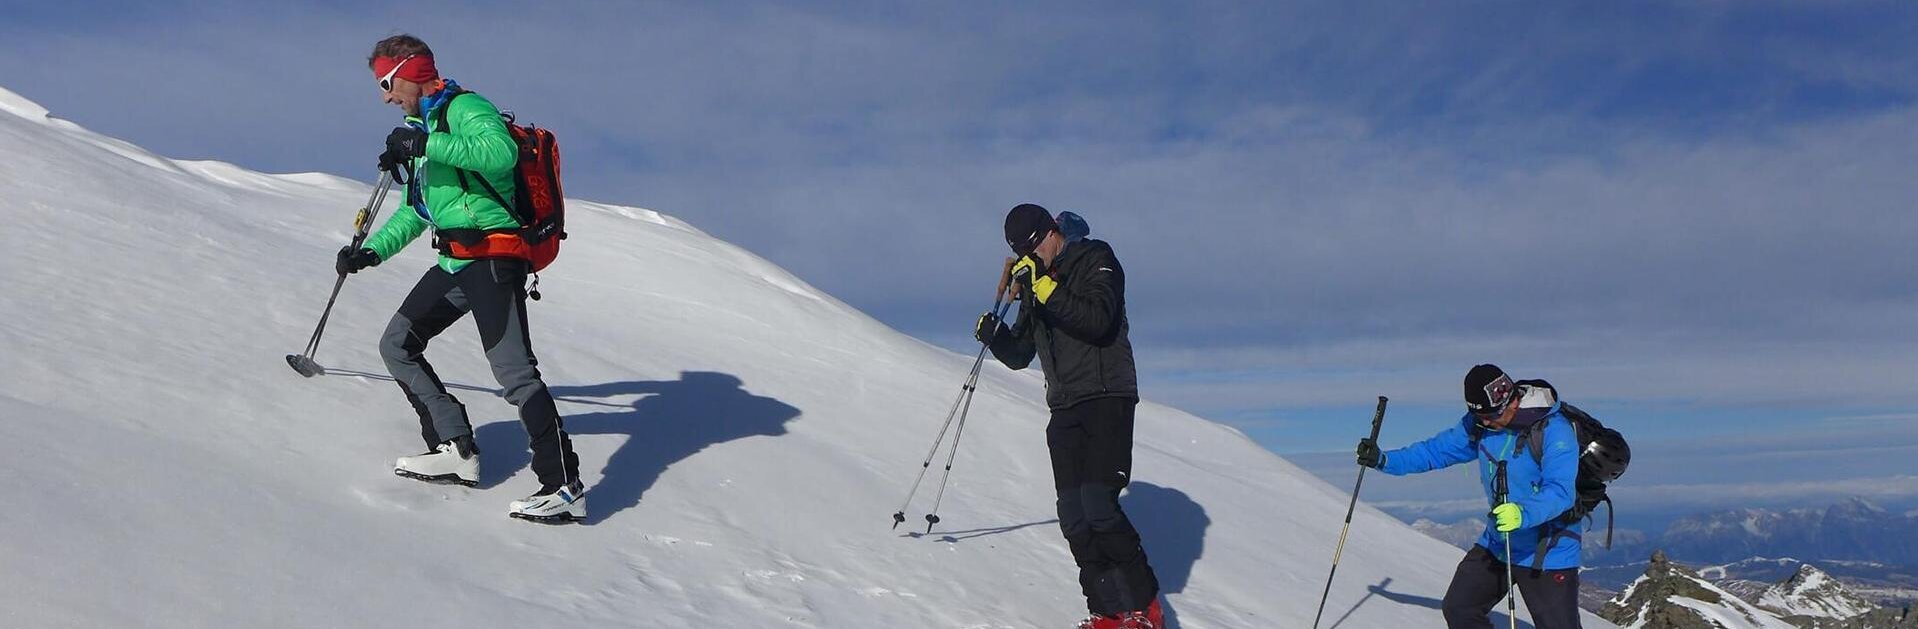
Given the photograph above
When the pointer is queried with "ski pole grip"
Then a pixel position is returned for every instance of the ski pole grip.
(1005, 279)
(1378, 419)
(363, 221)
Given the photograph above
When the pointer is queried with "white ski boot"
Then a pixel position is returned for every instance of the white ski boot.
(454, 462)
(564, 505)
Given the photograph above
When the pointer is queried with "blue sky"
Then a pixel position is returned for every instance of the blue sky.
(1694, 217)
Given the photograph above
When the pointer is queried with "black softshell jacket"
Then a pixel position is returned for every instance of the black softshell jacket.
(1080, 334)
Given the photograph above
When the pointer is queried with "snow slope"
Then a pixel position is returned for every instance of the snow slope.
(746, 438)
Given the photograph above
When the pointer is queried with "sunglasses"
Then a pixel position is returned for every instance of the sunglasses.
(386, 82)
(1030, 245)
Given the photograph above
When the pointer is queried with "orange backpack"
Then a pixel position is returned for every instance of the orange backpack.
(538, 203)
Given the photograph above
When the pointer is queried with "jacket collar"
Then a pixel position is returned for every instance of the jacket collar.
(431, 103)
(1534, 404)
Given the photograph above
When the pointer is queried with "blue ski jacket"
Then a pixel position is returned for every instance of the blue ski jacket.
(1543, 488)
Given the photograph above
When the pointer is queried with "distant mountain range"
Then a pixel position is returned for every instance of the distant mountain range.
(1803, 567)
(1670, 596)
(1871, 549)
(1853, 530)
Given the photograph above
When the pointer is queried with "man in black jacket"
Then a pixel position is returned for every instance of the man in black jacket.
(1072, 316)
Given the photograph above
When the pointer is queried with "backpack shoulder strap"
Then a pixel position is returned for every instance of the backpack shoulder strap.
(492, 193)
(440, 125)
(1535, 441)
(439, 115)
(1535, 435)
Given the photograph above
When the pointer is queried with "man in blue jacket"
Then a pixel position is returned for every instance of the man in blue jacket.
(1537, 487)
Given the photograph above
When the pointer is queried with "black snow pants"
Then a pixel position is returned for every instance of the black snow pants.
(1091, 445)
(495, 292)
(1479, 585)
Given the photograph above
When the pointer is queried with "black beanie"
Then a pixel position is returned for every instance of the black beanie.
(1026, 225)
(1487, 389)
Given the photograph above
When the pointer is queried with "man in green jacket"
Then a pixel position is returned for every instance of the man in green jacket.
(462, 158)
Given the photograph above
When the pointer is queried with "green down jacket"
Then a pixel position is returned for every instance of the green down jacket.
(476, 141)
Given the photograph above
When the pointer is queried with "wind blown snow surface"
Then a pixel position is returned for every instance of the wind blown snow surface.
(746, 439)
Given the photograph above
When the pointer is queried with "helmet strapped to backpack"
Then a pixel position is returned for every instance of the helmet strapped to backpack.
(1606, 455)
(1603, 457)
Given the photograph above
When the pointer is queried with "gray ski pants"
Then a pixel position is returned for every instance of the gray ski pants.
(494, 292)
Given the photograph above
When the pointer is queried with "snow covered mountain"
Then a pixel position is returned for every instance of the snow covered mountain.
(1854, 529)
(1883, 584)
(746, 438)
(1811, 592)
(1671, 596)
(1872, 550)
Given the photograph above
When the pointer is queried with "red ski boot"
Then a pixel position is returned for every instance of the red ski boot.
(1097, 621)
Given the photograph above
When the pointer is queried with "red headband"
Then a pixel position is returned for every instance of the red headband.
(417, 68)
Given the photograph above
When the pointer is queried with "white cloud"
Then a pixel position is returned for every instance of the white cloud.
(1698, 496)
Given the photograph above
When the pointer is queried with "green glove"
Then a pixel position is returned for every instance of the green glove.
(1509, 517)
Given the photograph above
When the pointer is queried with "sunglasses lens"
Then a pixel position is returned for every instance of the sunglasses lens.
(386, 85)
(1030, 246)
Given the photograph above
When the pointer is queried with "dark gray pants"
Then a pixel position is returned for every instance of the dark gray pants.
(1479, 585)
(1091, 445)
(494, 291)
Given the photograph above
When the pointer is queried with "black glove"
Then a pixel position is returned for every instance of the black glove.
(351, 260)
(988, 328)
(402, 145)
(1369, 454)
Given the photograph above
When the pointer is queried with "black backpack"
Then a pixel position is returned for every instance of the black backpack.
(1603, 457)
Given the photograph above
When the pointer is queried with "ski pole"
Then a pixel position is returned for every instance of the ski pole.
(1511, 602)
(899, 517)
(1378, 419)
(932, 517)
(362, 222)
(964, 402)
(960, 407)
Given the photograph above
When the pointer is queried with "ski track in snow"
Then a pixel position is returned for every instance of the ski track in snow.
(745, 438)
